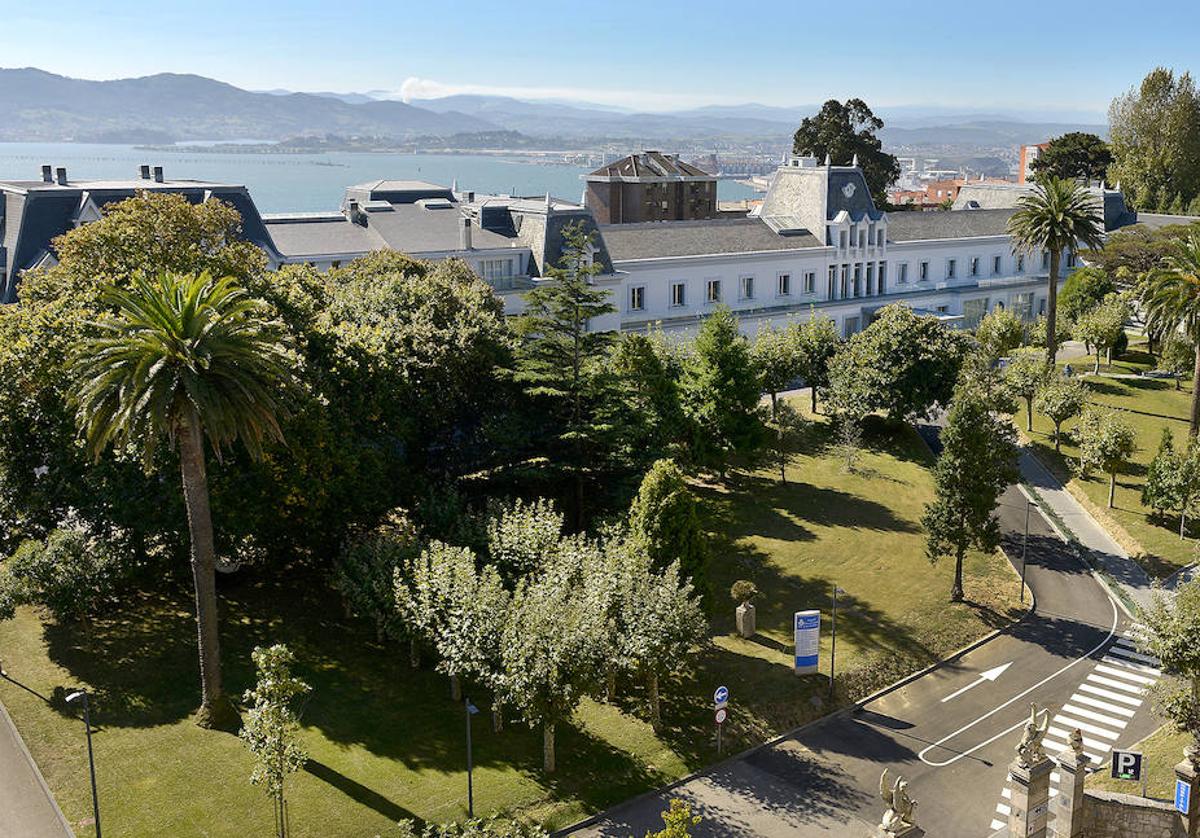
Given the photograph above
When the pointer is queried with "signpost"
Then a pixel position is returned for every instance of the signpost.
(808, 640)
(1183, 795)
(720, 699)
(1129, 765)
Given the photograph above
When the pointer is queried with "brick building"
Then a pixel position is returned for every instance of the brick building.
(650, 186)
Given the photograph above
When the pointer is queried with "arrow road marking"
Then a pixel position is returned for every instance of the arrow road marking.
(991, 675)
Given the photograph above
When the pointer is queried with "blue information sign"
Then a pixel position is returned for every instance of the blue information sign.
(808, 636)
(721, 696)
(1183, 796)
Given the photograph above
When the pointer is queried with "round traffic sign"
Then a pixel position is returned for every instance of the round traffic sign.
(721, 715)
(721, 695)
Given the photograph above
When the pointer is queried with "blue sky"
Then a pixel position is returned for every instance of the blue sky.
(1054, 55)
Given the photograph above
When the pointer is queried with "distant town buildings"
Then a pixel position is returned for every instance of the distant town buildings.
(1029, 153)
(816, 243)
(650, 186)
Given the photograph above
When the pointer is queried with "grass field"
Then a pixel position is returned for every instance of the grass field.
(386, 742)
(1148, 405)
(1162, 750)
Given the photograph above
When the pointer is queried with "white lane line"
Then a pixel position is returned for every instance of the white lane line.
(1113, 660)
(1079, 698)
(1124, 673)
(1093, 716)
(1086, 726)
(1112, 682)
(1112, 696)
(1111, 632)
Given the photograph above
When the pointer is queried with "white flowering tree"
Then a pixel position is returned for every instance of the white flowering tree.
(662, 623)
(521, 535)
(552, 644)
(272, 724)
(430, 594)
(364, 573)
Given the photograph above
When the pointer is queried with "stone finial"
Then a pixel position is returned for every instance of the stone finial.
(854, 162)
(1029, 749)
(827, 163)
(1077, 742)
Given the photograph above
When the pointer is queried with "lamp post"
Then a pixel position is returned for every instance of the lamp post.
(1025, 544)
(471, 711)
(833, 639)
(80, 695)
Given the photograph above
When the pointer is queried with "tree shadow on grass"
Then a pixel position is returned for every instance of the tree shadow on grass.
(358, 792)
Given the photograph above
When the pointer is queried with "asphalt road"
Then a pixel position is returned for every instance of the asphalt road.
(824, 779)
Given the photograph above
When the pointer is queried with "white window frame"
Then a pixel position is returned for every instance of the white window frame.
(783, 284)
(997, 264)
(637, 298)
(678, 300)
(810, 282)
(711, 286)
(746, 287)
(951, 268)
(902, 274)
(923, 273)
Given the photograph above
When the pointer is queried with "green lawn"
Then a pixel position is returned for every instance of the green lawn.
(1162, 751)
(1148, 405)
(386, 742)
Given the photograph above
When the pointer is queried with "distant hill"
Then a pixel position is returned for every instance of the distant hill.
(41, 106)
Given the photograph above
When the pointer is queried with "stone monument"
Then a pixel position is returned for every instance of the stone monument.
(1068, 806)
(900, 818)
(1029, 809)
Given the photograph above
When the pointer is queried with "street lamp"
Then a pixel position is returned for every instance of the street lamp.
(471, 711)
(80, 695)
(833, 639)
(1025, 543)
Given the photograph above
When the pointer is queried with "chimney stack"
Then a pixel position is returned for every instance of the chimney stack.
(465, 234)
(158, 174)
(470, 197)
(47, 173)
(144, 171)
(60, 175)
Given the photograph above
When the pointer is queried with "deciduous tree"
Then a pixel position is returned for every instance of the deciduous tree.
(1171, 302)
(664, 520)
(777, 355)
(1105, 442)
(1173, 623)
(1155, 135)
(1101, 326)
(819, 341)
(842, 131)
(1076, 155)
(1000, 332)
(1060, 399)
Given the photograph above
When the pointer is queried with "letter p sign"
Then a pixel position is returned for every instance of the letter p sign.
(1126, 765)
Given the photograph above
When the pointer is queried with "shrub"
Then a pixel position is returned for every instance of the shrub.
(742, 591)
(72, 574)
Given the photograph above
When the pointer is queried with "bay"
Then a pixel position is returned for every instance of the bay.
(307, 182)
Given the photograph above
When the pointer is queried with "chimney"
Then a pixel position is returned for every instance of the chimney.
(47, 173)
(470, 197)
(144, 171)
(158, 174)
(464, 239)
(60, 175)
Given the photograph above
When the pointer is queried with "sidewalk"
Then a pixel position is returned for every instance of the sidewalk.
(1106, 553)
(27, 810)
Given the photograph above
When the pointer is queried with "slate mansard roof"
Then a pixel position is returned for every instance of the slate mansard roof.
(34, 212)
(661, 239)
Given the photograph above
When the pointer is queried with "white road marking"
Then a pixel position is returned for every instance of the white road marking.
(1112, 696)
(1120, 685)
(1103, 705)
(1113, 660)
(1121, 672)
(990, 675)
(1132, 654)
(1111, 633)
(1086, 727)
(1092, 715)
(997, 824)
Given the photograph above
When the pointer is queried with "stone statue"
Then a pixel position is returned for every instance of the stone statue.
(901, 812)
(1029, 751)
(1077, 742)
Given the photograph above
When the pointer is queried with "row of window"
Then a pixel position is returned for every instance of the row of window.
(975, 267)
(846, 281)
(860, 235)
(713, 292)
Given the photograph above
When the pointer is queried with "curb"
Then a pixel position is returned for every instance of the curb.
(770, 743)
(6, 720)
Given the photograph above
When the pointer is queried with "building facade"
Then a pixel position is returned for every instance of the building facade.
(650, 186)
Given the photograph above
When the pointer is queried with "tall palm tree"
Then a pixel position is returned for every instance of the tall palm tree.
(1059, 215)
(1171, 301)
(186, 358)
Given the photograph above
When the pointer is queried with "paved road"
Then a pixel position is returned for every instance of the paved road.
(1070, 656)
(26, 808)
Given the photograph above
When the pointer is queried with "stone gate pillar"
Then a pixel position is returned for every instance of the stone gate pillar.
(1029, 812)
(1188, 773)
(1067, 807)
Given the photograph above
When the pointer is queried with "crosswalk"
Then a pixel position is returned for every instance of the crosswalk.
(1100, 709)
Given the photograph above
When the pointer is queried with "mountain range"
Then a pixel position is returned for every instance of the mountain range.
(42, 106)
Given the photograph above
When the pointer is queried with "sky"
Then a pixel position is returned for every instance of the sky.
(1056, 57)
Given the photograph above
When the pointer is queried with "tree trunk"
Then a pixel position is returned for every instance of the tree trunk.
(1029, 414)
(1058, 437)
(1182, 519)
(214, 707)
(548, 747)
(610, 684)
(956, 593)
(346, 609)
(497, 717)
(1096, 368)
(1052, 308)
(1112, 488)
(455, 688)
(414, 653)
(813, 392)
(655, 705)
(1195, 423)
(774, 404)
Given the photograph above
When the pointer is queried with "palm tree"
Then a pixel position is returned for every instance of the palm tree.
(185, 357)
(1171, 300)
(1059, 215)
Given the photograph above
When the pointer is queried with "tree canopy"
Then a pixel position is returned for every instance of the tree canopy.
(1155, 135)
(842, 130)
(1076, 155)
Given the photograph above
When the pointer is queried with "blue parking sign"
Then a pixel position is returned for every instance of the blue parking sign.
(1183, 795)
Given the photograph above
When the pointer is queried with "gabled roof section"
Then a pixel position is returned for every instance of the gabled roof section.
(649, 167)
